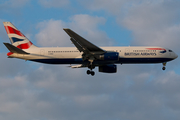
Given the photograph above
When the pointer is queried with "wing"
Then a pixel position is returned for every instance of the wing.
(82, 44)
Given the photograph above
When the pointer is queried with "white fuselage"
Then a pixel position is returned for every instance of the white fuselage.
(70, 55)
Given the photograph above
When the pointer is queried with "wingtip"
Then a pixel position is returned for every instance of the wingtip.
(65, 28)
(5, 43)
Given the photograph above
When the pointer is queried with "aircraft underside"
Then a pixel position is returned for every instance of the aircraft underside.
(98, 62)
(104, 66)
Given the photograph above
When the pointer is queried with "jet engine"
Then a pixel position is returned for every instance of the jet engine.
(108, 68)
(109, 56)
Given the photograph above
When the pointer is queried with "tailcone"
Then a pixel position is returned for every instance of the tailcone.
(9, 54)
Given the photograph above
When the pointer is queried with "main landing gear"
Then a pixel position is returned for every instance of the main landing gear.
(164, 68)
(91, 66)
(90, 72)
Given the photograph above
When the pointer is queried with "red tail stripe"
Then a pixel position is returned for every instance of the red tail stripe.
(11, 30)
(25, 45)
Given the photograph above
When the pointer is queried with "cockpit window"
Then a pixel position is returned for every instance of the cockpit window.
(170, 51)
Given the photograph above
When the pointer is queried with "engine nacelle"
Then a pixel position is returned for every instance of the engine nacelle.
(109, 56)
(108, 69)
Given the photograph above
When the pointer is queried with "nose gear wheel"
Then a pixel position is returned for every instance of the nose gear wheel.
(164, 68)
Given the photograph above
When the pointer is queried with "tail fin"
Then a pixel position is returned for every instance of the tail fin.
(16, 37)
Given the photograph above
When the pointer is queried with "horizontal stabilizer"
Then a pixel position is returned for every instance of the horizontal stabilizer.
(14, 49)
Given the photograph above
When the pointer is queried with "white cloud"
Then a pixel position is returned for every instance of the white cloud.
(54, 92)
(36, 91)
(125, 96)
(52, 33)
(87, 27)
(154, 24)
(86, 22)
(11, 67)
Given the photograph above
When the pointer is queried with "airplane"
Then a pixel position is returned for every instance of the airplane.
(85, 53)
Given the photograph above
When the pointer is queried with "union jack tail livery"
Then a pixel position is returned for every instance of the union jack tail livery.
(16, 37)
(85, 53)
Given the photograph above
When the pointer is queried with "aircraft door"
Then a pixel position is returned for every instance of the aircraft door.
(127, 50)
(42, 52)
(170, 53)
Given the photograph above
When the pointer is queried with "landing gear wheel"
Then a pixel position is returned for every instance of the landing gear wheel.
(88, 72)
(92, 73)
(164, 64)
(163, 68)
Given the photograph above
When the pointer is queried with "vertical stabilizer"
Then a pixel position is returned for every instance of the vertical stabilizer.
(16, 37)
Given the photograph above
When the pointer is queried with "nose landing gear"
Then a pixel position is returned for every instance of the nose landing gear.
(164, 68)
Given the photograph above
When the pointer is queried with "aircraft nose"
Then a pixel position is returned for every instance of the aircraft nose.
(175, 55)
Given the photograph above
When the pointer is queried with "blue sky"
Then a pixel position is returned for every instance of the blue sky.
(34, 91)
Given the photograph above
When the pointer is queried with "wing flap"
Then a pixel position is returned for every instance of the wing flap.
(78, 66)
(78, 46)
